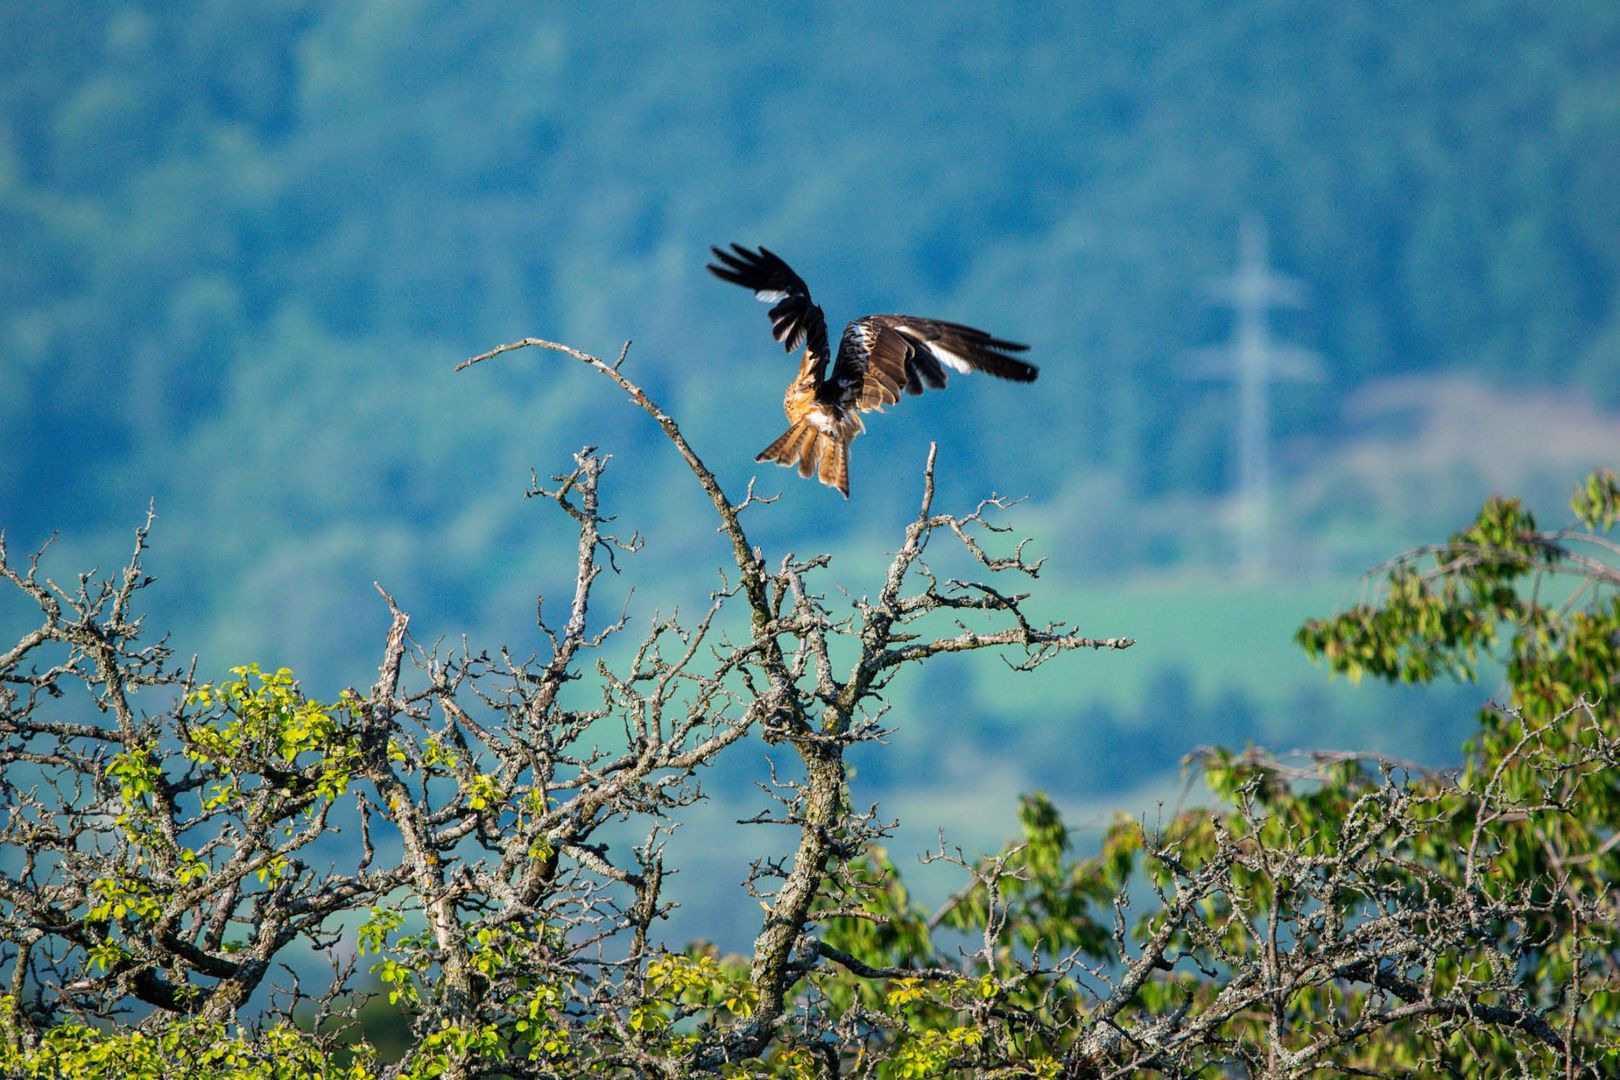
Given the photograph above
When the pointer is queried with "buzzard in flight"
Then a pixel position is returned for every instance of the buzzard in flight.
(878, 356)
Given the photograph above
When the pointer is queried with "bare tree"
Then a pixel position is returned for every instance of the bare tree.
(165, 859)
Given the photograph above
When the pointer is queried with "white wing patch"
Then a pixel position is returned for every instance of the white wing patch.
(769, 296)
(948, 358)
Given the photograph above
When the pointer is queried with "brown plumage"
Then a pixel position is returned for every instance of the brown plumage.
(879, 356)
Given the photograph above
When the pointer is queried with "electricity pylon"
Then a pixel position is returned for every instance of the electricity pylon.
(1253, 361)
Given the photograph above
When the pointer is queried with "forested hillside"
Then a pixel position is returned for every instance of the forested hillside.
(244, 245)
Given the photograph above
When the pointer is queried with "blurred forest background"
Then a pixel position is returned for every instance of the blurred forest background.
(245, 244)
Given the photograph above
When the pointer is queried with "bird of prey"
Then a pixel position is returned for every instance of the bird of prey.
(878, 356)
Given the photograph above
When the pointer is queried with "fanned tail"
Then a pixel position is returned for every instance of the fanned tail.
(790, 446)
(809, 450)
(835, 464)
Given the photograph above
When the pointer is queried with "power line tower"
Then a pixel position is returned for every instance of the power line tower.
(1252, 361)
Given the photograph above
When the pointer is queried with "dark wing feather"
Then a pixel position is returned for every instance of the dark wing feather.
(795, 320)
(881, 355)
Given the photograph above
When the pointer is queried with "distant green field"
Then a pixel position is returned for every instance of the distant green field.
(1222, 637)
(1214, 663)
(1222, 633)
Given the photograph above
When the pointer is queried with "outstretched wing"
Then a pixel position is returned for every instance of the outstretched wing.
(881, 355)
(795, 320)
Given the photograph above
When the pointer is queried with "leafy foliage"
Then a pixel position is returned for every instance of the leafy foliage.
(1350, 913)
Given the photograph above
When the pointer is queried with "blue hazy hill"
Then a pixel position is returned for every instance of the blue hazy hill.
(242, 247)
